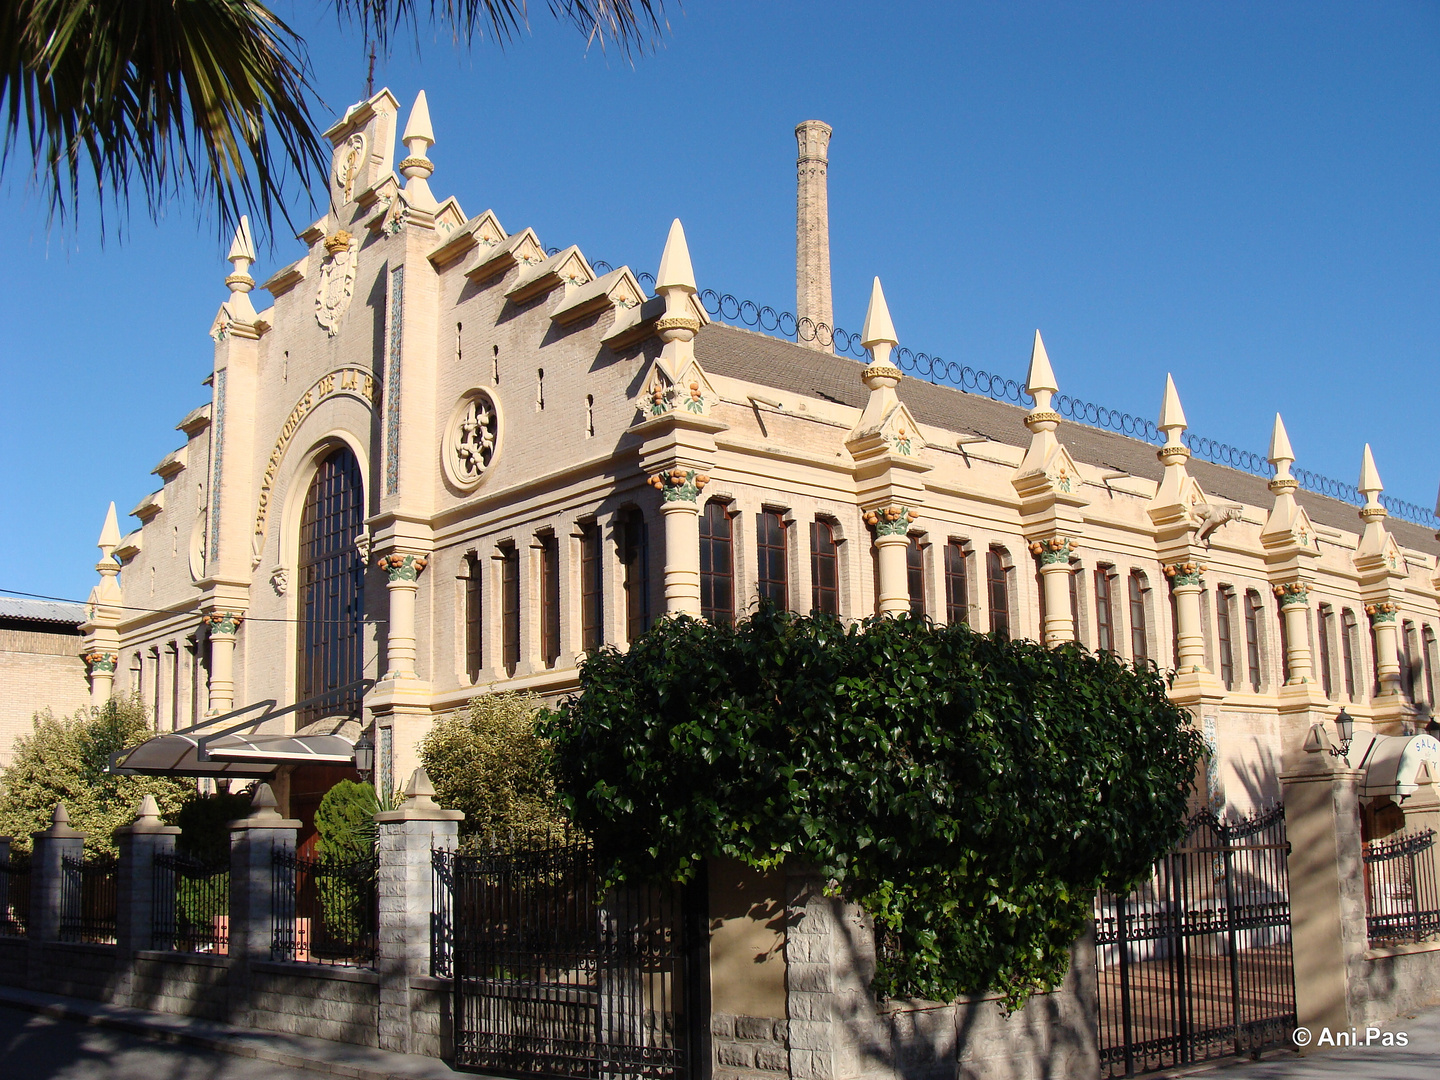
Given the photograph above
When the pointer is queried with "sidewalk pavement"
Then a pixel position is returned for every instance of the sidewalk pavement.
(319, 1056)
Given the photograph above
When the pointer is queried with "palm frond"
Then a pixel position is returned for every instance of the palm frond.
(629, 25)
(209, 96)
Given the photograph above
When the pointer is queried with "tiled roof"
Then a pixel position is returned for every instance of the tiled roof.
(744, 354)
(53, 611)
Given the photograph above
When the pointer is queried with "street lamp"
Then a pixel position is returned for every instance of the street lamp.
(364, 757)
(1345, 728)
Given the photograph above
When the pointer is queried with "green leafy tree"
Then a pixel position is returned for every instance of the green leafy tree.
(971, 793)
(490, 762)
(208, 95)
(345, 821)
(63, 760)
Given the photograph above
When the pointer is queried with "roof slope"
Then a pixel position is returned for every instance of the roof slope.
(51, 611)
(768, 361)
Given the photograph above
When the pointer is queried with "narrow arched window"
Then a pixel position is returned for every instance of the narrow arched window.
(1139, 623)
(473, 621)
(774, 584)
(1348, 629)
(592, 588)
(824, 569)
(1430, 660)
(635, 560)
(999, 589)
(915, 577)
(1252, 638)
(1225, 634)
(957, 592)
(717, 563)
(331, 577)
(1325, 619)
(1104, 609)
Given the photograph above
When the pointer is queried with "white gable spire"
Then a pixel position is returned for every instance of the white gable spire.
(417, 167)
(1041, 379)
(1172, 415)
(1370, 485)
(109, 534)
(675, 270)
(878, 333)
(241, 258)
(1281, 456)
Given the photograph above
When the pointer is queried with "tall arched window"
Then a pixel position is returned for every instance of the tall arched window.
(332, 587)
(717, 563)
(998, 587)
(1139, 628)
(824, 568)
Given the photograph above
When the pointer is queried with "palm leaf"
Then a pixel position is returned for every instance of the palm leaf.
(630, 25)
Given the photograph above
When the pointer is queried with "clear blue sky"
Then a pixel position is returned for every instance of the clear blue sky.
(1244, 194)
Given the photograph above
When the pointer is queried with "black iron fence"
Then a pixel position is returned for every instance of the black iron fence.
(1401, 900)
(15, 896)
(442, 913)
(1196, 963)
(324, 911)
(88, 897)
(554, 975)
(192, 905)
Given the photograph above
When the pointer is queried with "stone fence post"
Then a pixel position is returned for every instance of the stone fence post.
(254, 841)
(1321, 793)
(47, 871)
(135, 896)
(1422, 811)
(4, 878)
(406, 838)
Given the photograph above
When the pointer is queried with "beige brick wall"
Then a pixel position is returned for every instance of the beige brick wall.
(37, 669)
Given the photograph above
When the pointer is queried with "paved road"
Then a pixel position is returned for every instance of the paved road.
(35, 1047)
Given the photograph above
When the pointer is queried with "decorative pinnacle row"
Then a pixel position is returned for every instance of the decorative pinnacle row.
(1292, 594)
(101, 663)
(1185, 573)
(679, 485)
(222, 622)
(891, 521)
(1383, 612)
(1054, 550)
(402, 567)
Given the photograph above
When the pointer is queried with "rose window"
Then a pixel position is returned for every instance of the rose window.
(471, 443)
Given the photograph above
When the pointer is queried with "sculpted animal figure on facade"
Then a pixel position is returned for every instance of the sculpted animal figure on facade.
(1210, 517)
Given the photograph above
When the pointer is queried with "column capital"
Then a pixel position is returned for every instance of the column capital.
(402, 566)
(1185, 573)
(890, 520)
(1383, 611)
(1292, 594)
(679, 485)
(224, 623)
(1054, 550)
(100, 662)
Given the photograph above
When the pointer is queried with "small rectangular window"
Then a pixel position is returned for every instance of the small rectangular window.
(1104, 610)
(999, 590)
(635, 558)
(592, 588)
(717, 563)
(510, 607)
(957, 592)
(824, 569)
(770, 557)
(550, 599)
(915, 577)
(472, 616)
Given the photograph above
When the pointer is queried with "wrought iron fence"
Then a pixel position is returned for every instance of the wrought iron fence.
(442, 913)
(192, 905)
(15, 896)
(1196, 963)
(324, 911)
(88, 889)
(1401, 900)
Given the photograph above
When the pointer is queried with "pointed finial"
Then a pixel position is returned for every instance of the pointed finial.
(239, 281)
(420, 792)
(1370, 485)
(1172, 423)
(1172, 416)
(149, 812)
(243, 246)
(675, 270)
(60, 816)
(417, 167)
(109, 534)
(1281, 456)
(878, 330)
(1041, 378)
(263, 803)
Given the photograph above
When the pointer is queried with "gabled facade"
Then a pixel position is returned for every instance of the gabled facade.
(446, 460)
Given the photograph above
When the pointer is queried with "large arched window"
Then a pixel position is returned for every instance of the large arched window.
(332, 587)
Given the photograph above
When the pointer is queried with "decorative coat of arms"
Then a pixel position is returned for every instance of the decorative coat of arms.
(337, 280)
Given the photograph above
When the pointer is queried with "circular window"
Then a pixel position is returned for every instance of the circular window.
(472, 438)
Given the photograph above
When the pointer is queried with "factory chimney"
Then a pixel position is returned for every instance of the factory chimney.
(812, 236)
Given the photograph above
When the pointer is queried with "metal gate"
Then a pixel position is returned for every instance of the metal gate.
(1196, 963)
(554, 977)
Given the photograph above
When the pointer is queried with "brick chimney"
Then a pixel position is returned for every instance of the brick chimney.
(812, 232)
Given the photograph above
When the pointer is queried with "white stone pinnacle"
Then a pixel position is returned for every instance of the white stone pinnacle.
(417, 128)
(1172, 416)
(675, 271)
(878, 328)
(1280, 447)
(1041, 376)
(243, 246)
(1370, 484)
(109, 533)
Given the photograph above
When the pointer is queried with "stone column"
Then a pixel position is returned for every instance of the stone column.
(680, 490)
(223, 627)
(1054, 556)
(406, 838)
(51, 848)
(1422, 811)
(101, 666)
(812, 232)
(254, 841)
(403, 570)
(135, 896)
(1327, 890)
(1387, 646)
(892, 537)
(1185, 583)
(1294, 597)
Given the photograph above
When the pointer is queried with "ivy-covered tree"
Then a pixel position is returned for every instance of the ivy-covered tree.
(971, 793)
(64, 760)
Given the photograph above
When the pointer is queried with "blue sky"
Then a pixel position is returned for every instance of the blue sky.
(1246, 195)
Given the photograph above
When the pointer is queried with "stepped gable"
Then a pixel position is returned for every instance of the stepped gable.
(767, 361)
